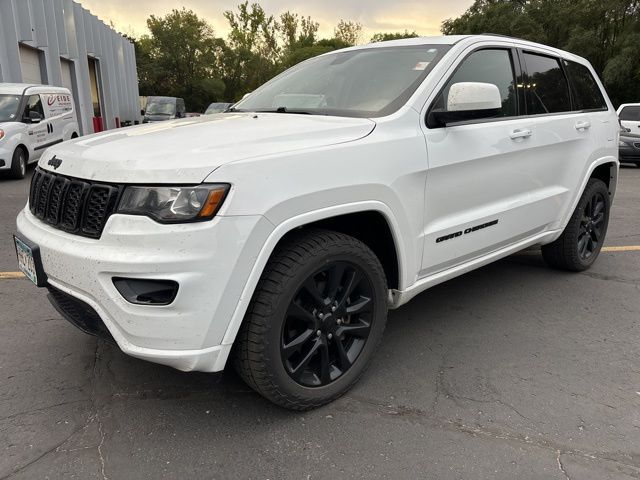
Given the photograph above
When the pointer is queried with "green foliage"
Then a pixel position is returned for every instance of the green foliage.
(177, 57)
(383, 37)
(347, 31)
(607, 33)
(182, 57)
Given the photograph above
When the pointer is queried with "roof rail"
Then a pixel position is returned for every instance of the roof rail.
(499, 35)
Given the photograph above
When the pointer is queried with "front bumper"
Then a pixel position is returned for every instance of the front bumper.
(210, 261)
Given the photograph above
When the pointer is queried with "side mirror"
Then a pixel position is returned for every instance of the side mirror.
(469, 101)
(142, 112)
(34, 117)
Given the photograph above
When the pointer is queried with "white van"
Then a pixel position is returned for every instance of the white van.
(32, 118)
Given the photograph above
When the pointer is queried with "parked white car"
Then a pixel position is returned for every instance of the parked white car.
(629, 114)
(32, 118)
(278, 234)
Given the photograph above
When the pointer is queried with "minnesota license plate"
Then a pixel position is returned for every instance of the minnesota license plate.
(26, 260)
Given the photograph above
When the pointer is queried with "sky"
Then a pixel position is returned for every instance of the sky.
(425, 16)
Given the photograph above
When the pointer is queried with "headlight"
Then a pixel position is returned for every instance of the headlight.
(174, 204)
(622, 144)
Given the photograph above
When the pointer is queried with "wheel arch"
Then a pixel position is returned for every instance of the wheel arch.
(336, 217)
(24, 148)
(605, 169)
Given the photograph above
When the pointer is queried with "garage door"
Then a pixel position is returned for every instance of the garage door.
(66, 73)
(30, 65)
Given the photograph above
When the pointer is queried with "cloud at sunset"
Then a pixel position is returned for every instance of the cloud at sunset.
(424, 16)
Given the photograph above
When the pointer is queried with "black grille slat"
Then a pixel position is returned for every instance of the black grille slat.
(44, 188)
(98, 203)
(73, 205)
(56, 197)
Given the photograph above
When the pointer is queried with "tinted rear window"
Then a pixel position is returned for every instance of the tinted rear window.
(587, 94)
(546, 87)
(630, 114)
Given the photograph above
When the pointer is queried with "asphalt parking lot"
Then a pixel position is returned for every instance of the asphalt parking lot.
(512, 371)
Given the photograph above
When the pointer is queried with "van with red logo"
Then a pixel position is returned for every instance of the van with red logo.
(33, 118)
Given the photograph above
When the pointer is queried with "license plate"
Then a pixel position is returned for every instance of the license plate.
(26, 260)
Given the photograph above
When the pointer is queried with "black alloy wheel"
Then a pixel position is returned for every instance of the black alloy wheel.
(327, 324)
(591, 231)
(315, 319)
(582, 239)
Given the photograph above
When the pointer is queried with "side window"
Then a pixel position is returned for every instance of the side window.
(587, 94)
(486, 66)
(546, 87)
(34, 104)
(630, 114)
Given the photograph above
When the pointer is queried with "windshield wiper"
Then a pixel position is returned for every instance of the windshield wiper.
(285, 110)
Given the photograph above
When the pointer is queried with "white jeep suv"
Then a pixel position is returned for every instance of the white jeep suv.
(276, 235)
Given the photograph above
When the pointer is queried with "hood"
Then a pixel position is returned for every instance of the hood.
(188, 150)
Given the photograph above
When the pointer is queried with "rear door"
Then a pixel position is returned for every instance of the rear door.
(568, 139)
(58, 110)
(630, 117)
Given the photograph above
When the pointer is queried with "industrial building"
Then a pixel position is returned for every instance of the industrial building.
(58, 42)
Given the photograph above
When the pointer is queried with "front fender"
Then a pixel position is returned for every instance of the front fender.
(279, 232)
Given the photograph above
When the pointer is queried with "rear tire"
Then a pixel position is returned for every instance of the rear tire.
(579, 245)
(315, 320)
(18, 164)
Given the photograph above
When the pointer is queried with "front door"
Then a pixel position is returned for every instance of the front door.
(481, 173)
(38, 128)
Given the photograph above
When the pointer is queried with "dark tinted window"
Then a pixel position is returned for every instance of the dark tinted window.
(486, 66)
(631, 114)
(587, 94)
(545, 86)
(34, 104)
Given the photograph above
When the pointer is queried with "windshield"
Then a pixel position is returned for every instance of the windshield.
(9, 107)
(370, 82)
(161, 106)
(630, 113)
(217, 108)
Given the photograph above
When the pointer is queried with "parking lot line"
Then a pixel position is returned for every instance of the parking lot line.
(627, 248)
(11, 275)
(624, 248)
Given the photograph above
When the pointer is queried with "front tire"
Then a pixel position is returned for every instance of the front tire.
(18, 164)
(580, 243)
(315, 320)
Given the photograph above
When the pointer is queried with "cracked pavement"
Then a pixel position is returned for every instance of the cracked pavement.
(511, 371)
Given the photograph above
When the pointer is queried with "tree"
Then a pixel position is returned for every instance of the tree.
(383, 37)
(349, 32)
(178, 58)
(249, 57)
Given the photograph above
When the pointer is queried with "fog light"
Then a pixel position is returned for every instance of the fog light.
(146, 292)
(2, 164)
